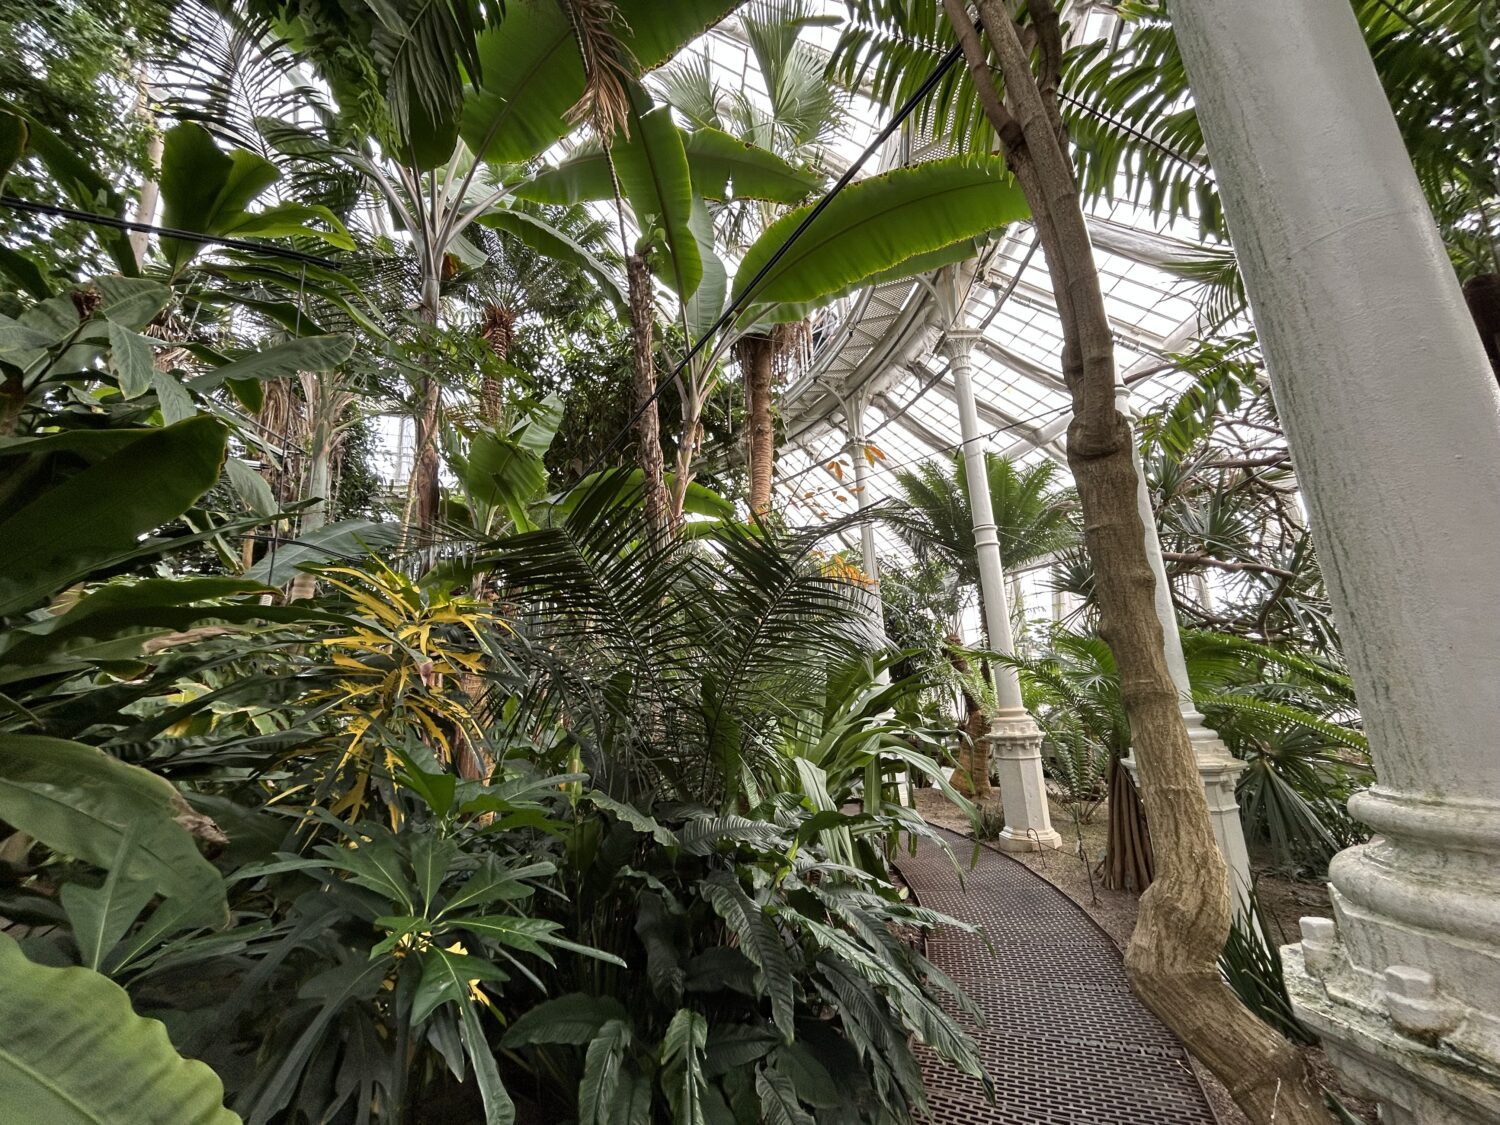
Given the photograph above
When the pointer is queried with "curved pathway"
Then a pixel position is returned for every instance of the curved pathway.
(1064, 1039)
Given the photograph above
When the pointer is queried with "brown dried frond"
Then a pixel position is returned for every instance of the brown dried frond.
(86, 301)
(608, 66)
(791, 349)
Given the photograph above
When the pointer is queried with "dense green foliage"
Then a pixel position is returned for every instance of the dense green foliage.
(509, 806)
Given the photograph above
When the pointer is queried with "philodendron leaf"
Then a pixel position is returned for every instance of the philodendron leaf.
(100, 514)
(101, 915)
(79, 801)
(74, 1052)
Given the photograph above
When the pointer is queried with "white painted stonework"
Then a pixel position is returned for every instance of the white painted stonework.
(1393, 417)
(1015, 739)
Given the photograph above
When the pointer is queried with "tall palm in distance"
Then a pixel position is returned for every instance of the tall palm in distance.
(1033, 518)
(800, 111)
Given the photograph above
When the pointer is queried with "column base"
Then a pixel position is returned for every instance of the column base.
(1016, 765)
(1015, 843)
(1403, 984)
(1417, 1080)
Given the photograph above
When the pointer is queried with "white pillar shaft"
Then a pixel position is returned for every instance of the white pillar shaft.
(1383, 386)
(1015, 738)
(862, 483)
(1393, 419)
(855, 427)
(982, 511)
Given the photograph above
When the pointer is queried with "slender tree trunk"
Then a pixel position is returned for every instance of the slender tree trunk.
(758, 356)
(693, 398)
(1184, 917)
(422, 497)
(319, 481)
(145, 209)
(648, 425)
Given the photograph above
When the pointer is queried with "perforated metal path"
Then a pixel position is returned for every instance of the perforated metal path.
(1064, 1039)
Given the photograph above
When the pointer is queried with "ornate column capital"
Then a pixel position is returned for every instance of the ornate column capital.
(958, 343)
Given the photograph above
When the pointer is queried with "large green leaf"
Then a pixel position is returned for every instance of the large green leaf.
(345, 541)
(100, 513)
(726, 167)
(548, 240)
(304, 353)
(203, 187)
(74, 1052)
(79, 801)
(654, 176)
(701, 311)
(208, 190)
(682, 1066)
(500, 473)
(101, 915)
(575, 1018)
(722, 167)
(877, 224)
(533, 72)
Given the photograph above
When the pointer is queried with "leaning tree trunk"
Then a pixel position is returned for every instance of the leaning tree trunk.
(1184, 917)
(758, 358)
(648, 425)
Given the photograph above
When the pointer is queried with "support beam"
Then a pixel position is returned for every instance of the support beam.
(1393, 418)
(1015, 738)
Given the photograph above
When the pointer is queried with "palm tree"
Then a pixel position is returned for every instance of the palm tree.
(1034, 517)
(801, 110)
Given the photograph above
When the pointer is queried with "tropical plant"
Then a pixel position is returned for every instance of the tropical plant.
(1033, 518)
(1034, 515)
(773, 988)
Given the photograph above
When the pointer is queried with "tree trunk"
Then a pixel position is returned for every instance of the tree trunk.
(498, 331)
(423, 495)
(1184, 916)
(1127, 861)
(319, 486)
(648, 425)
(758, 356)
(972, 777)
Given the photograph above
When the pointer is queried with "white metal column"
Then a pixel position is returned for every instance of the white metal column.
(1015, 738)
(1393, 418)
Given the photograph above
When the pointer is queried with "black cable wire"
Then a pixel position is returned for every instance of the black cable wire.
(35, 208)
(729, 313)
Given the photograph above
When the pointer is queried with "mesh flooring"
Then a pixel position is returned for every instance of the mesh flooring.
(1064, 1039)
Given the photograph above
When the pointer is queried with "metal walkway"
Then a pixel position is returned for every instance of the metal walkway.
(1064, 1039)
